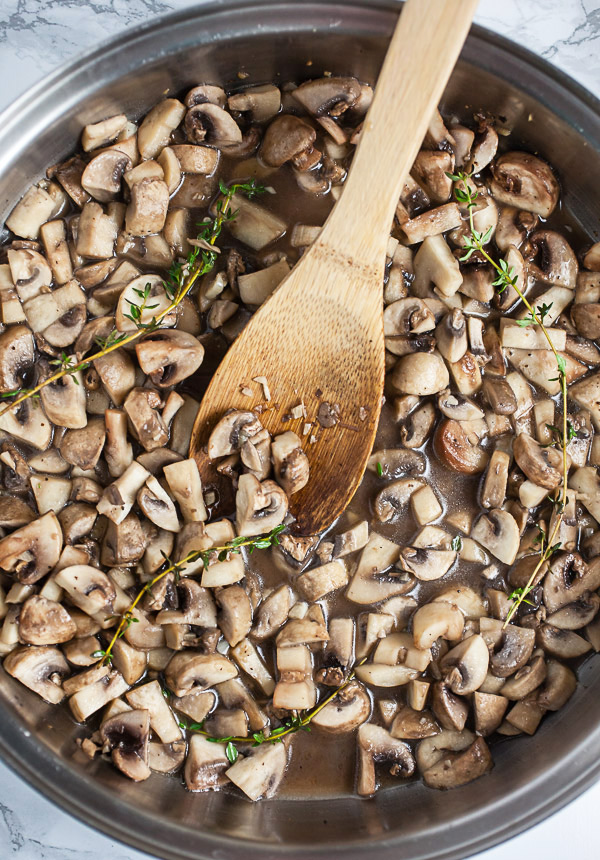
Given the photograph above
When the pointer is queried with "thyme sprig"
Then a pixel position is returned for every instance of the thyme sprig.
(178, 283)
(216, 553)
(475, 241)
(299, 721)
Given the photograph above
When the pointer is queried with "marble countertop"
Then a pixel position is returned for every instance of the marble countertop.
(38, 35)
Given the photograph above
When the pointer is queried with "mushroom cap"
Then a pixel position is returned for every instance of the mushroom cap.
(457, 450)
(169, 356)
(348, 710)
(525, 181)
(209, 123)
(230, 433)
(45, 622)
(466, 665)
(127, 735)
(376, 744)
(33, 550)
(102, 176)
(259, 774)
(285, 138)
(515, 648)
(259, 507)
(187, 670)
(461, 768)
(437, 619)
(498, 532)
(569, 578)
(543, 466)
(290, 462)
(39, 668)
(420, 373)
(330, 96)
(16, 356)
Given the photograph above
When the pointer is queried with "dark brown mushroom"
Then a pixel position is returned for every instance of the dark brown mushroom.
(526, 182)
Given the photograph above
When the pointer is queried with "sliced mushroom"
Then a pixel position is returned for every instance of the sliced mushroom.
(290, 462)
(157, 505)
(417, 426)
(456, 448)
(450, 711)
(394, 462)
(39, 668)
(465, 666)
(259, 507)
(458, 407)
(102, 176)
(525, 680)
(428, 564)
(557, 264)
(205, 764)
(510, 647)
(488, 710)
(460, 768)
(451, 336)
(272, 613)
(434, 620)
(188, 670)
(259, 774)
(376, 744)
(89, 588)
(559, 686)
(286, 138)
(64, 400)
(568, 579)
(168, 357)
(564, 644)
(391, 500)
(526, 182)
(209, 123)
(126, 735)
(147, 209)
(235, 614)
(498, 532)
(230, 433)
(32, 551)
(346, 712)
(149, 427)
(16, 356)
(83, 447)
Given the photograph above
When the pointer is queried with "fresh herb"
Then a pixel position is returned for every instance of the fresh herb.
(475, 241)
(379, 468)
(231, 752)
(217, 553)
(519, 595)
(456, 543)
(178, 283)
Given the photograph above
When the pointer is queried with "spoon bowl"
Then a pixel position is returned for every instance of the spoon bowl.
(318, 340)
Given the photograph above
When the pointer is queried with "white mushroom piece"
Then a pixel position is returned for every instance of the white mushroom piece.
(33, 550)
(376, 744)
(260, 507)
(525, 181)
(259, 774)
(290, 462)
(346, 712)
(126, 736)
(41, 669)
(168, 357)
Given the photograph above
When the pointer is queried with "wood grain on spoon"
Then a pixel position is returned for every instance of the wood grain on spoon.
(319, 337)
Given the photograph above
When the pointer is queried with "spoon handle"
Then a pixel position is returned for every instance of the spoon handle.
(423, 51)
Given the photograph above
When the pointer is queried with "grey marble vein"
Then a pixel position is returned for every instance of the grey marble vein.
(38, 35)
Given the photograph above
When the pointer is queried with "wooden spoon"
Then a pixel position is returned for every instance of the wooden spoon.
(319, 337)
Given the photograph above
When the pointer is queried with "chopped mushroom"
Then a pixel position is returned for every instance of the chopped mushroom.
(376, 744)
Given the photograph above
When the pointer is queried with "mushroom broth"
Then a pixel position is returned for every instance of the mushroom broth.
(425, 623)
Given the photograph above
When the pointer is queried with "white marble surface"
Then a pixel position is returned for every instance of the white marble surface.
(36, 36)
